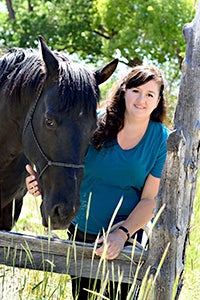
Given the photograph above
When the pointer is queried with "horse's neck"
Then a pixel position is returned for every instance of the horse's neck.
(10, 149)
(11, 126)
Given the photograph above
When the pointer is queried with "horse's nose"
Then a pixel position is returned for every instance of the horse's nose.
(61, 210)
(61, 216)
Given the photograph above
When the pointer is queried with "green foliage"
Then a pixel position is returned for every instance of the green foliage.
(97, 29)
(65, 26)
(100, 30)
(191, 288)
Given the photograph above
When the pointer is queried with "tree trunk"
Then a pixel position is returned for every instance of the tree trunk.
(10, 9)
(30, 6)
(178, 183)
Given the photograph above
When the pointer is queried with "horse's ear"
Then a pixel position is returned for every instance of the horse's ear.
(104, 73)
(49, 58)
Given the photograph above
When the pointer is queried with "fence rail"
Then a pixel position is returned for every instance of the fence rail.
(64, 256)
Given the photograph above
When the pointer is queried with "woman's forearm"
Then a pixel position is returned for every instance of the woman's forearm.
(140, 216)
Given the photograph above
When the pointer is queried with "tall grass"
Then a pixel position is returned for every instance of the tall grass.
(28, 284)
(191, 288)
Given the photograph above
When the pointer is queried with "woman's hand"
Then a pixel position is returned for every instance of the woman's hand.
(31, 182)
(113, 246)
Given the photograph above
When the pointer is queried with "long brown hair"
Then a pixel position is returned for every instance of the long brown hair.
(113, 120)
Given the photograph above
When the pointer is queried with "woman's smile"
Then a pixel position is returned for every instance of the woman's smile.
(139, 107)
(142, 100)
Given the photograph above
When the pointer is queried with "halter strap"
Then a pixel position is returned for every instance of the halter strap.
(49, 162)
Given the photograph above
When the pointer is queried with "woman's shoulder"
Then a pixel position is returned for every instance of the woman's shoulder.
(158, 132)
(160, 128)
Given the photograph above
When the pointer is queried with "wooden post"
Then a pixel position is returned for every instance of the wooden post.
(179, 178)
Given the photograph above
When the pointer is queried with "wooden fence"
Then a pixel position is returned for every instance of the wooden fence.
(69, 257)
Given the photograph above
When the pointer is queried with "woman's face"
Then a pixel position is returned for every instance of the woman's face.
(142, 100)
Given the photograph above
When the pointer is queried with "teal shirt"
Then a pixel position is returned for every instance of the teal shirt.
(112, 173)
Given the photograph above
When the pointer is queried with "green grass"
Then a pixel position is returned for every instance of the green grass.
(191, 288)
(28, 284)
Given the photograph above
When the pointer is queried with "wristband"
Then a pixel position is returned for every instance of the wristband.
(124, 229)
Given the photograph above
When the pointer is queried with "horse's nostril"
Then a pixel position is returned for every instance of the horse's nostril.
(57, 211)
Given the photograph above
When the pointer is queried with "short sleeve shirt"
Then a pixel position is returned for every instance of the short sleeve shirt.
(112, 173)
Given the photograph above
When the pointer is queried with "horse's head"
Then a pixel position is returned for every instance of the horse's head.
(57, 131)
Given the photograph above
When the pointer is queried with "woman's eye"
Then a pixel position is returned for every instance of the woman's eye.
(50, 122)
(150, 95)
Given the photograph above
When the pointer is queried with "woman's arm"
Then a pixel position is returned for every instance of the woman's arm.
(143, 212)
(137, 219)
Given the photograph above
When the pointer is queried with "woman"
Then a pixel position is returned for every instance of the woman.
(124, 161)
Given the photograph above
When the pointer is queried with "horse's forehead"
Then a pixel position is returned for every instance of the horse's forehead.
(74, 87)
(71, 95)
(76, 72)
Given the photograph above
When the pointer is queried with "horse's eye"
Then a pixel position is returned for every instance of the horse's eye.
(50, 122)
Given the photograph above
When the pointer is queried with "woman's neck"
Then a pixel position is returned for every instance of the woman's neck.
(132, 133)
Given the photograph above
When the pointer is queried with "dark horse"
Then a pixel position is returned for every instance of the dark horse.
(47, 115)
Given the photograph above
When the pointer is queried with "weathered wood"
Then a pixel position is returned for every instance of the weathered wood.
(63, 256)
(178, 184)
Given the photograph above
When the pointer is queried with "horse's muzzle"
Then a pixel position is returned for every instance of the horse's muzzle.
(59, 217)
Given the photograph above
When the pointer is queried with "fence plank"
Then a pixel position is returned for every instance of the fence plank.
(67, 257)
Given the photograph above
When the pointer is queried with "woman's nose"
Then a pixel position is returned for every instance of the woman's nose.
(140, 98)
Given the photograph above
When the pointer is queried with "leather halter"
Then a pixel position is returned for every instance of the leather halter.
(48, 161)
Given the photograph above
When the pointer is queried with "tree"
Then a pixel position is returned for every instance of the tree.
(102, 29)
(96, 30)
(10, 9)
(179, 179)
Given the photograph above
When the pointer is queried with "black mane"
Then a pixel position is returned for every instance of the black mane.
(22, 68)
(77, 84)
